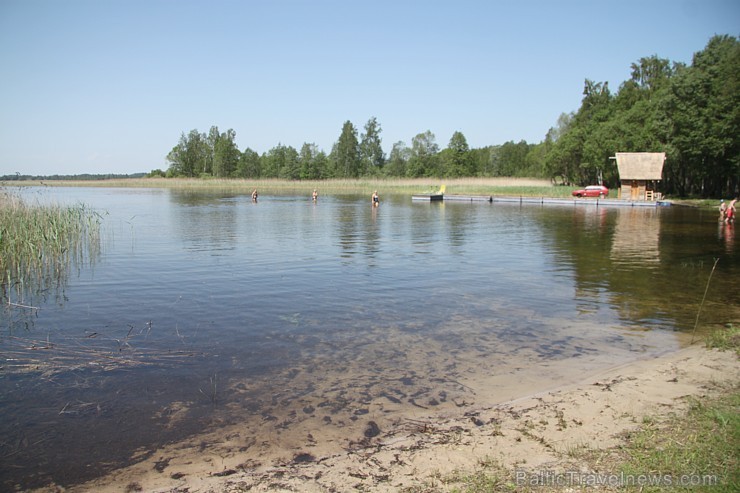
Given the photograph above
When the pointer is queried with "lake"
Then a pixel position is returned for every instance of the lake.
(303, 322)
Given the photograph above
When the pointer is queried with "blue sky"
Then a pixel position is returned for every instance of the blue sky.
(104, 86)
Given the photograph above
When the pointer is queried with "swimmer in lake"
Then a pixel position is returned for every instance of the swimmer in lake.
(376, 199)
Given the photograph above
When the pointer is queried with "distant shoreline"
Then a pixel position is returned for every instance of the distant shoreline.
(507, 186)
(500, 185)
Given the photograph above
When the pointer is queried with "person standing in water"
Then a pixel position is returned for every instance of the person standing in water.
(730, 212)
(254, 195)
(315, 195)
(376, 199)
(722, 210)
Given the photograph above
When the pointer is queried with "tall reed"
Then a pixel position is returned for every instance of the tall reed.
(531, 187)
(39, 242)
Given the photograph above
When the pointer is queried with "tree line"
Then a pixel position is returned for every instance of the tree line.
(690, 112)
(78, 177)
(354, 155)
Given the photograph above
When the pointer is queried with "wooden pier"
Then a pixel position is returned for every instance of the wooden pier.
(428, 197)
(437, 197)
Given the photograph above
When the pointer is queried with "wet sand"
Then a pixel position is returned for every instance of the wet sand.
(331, 438)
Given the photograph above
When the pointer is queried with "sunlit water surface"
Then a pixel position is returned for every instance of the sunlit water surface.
(203, 309)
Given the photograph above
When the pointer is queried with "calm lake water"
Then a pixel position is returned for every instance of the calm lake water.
(202, 309)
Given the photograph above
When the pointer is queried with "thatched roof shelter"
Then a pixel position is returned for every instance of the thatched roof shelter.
(638, 174)
(640, 165)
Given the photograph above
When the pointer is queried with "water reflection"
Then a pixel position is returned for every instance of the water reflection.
(358, 228)
(649, 264)
(204, 222)
(726, 235)
(636, 238)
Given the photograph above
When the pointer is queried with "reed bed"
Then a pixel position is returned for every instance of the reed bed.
(39, 242)
(486, 186)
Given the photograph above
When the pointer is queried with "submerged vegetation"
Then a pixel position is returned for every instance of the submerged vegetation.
(39, 243)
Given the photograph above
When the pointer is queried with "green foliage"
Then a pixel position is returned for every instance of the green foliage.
(372, 156)
(80, 177)
(692, 113)
(281, 162)
(249, 164)
(398, 160)
(189, 156)
(313, 162)
(198, 154)
(510, 159)
(423, 160)
(701, 112)
(225, 155)
(346, 153)
(457, 160)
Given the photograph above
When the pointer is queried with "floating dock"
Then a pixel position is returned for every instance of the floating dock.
(437, 197)
(428, 197)
(469, 198)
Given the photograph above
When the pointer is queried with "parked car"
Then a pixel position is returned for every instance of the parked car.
(592, 191)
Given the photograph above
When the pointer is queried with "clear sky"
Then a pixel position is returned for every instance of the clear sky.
(108, 86)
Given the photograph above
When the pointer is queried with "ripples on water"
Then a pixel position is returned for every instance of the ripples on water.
(307, 318)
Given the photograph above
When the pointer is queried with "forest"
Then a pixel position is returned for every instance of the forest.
(690, 112)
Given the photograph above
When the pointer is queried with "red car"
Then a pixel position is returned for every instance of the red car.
(592, 191)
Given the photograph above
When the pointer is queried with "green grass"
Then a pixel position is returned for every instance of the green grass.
(699, 449)
(725, 339)
(39, 242)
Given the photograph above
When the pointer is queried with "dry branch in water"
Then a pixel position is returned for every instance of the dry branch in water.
(49, 359)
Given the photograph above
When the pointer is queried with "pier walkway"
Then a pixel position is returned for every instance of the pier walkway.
(538, 200)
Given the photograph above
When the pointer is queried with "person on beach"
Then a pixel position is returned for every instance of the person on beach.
(376, 199)
(722, 210)
(315, 195)
(254, 195)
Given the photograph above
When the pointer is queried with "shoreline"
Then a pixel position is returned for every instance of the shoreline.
(541, 431)
(484, 186)
(268, 186)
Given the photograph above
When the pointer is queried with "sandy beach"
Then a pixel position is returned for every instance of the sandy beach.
(528, 433)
